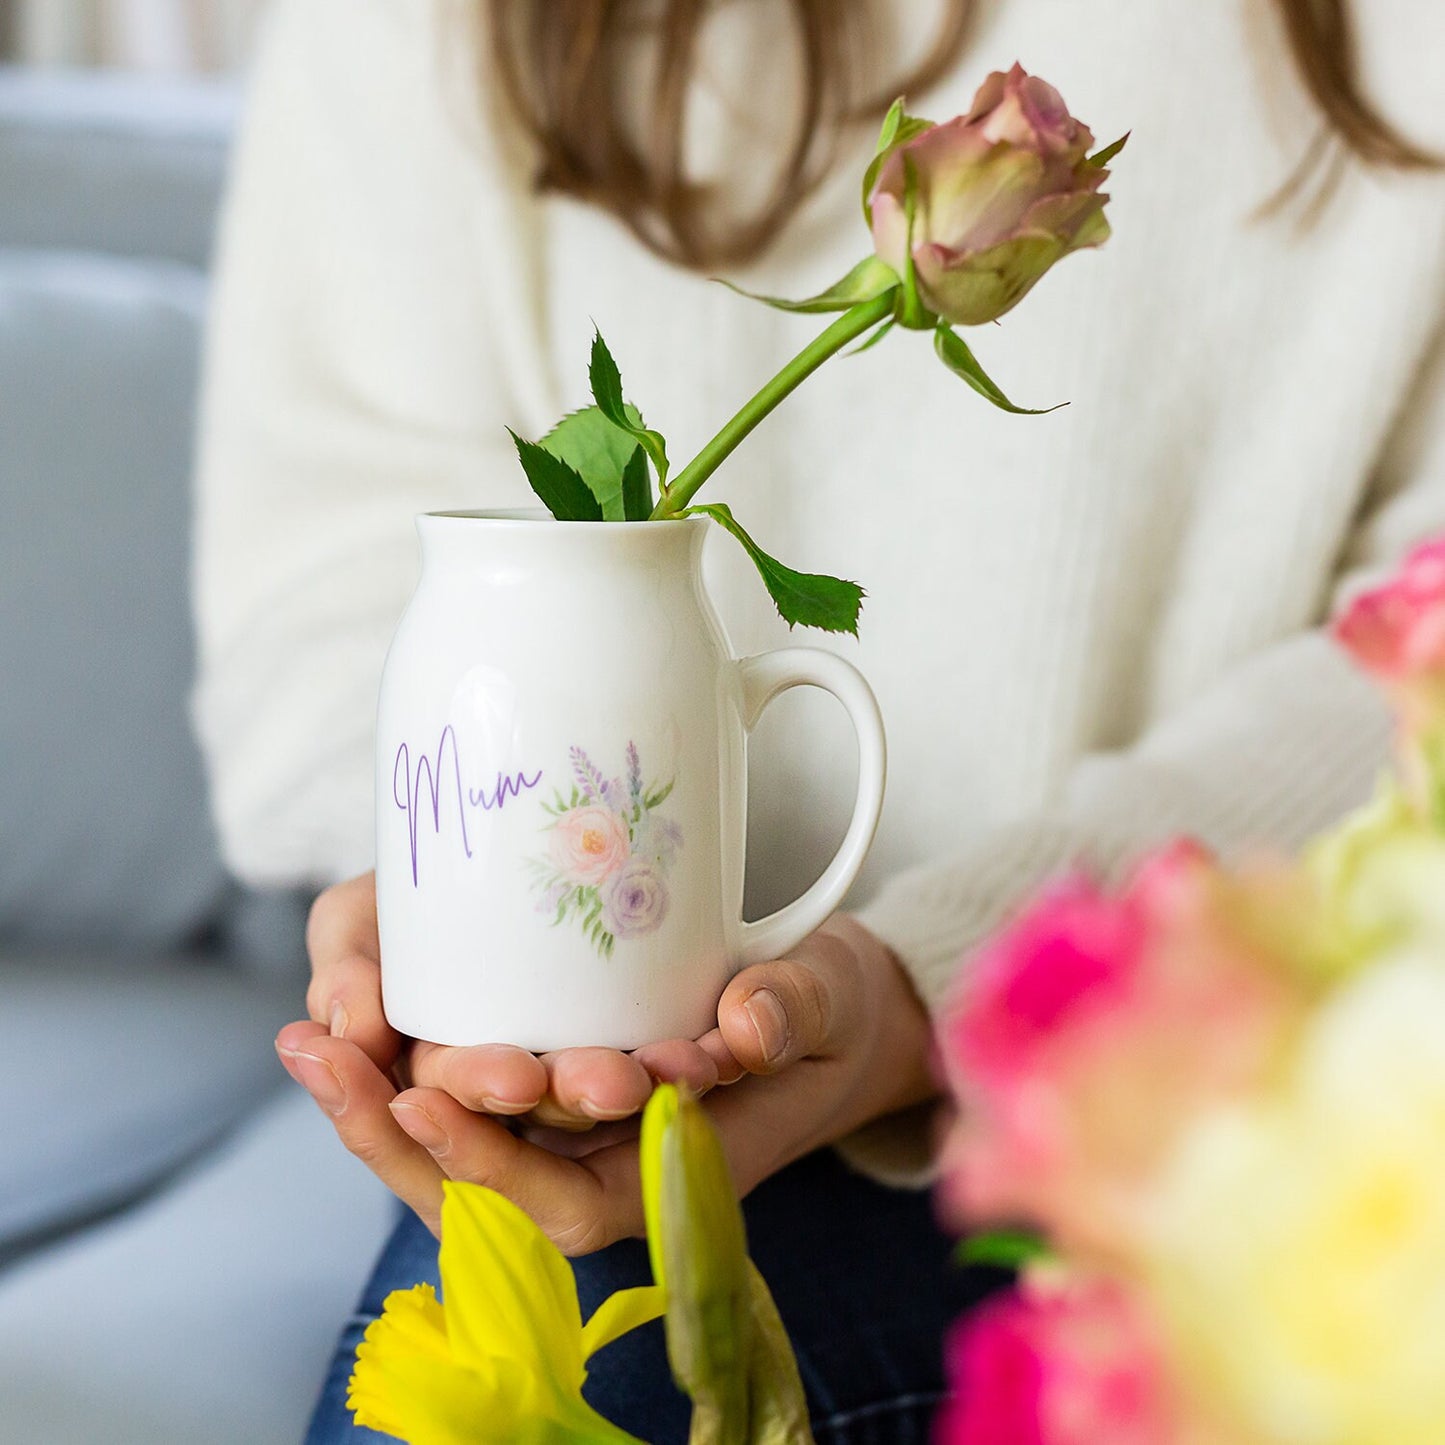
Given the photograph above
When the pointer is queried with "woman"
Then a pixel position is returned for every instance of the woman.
(1087, 631)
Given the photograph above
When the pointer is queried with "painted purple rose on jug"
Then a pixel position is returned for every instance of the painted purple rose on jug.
(609, 854)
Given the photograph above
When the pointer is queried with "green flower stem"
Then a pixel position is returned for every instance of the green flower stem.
(848, 327)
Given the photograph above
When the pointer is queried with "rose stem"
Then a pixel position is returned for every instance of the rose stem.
(849, 326)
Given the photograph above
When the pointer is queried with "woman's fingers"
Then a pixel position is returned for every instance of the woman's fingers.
(350, 1088)
(679, 1061)
(807, 1006)
(581, 1206)
(729, 1071)
(570, 1090)
(345, 990)
(490, 1078)
(586, 1086)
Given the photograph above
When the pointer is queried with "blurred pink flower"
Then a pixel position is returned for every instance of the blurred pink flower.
(1080, 1037)
(1397, 631)
(1070, 1365)
(589, 844)
(1001, 194)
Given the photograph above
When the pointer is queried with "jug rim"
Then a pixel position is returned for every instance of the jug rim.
(530, 518)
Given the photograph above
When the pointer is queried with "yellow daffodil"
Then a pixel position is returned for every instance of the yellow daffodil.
(504, 1358)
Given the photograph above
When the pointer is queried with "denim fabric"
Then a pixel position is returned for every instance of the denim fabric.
(863, 1281)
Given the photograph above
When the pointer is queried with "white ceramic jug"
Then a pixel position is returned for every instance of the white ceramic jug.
(561, 787)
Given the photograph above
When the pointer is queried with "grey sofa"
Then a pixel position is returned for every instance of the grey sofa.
(180, 1235)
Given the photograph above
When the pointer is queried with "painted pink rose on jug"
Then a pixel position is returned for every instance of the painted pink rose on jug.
(1058, 1365)
(998, 195)
(589, 845)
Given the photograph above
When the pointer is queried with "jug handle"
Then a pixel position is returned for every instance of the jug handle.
(765, 677)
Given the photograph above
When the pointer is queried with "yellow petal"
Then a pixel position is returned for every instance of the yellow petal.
(619, 1313)
(407, 1384)
(657, 1120)
(509, 1292)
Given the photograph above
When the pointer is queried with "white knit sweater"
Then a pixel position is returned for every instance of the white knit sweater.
(1088, 631)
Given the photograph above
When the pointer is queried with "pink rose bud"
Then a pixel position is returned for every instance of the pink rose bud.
(1000, 195)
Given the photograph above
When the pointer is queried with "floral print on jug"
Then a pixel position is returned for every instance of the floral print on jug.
(609, 853)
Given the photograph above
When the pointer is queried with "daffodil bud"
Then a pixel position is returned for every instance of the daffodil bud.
(699, 1255)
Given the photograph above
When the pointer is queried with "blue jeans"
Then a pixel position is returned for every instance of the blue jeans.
(863, 1281)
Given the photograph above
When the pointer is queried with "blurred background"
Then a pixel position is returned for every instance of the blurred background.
(155, 36)
(179, 1236)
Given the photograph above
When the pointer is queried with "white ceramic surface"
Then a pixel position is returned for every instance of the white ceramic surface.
(561, 787)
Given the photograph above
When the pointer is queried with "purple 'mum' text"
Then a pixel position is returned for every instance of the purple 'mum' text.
(441, 783)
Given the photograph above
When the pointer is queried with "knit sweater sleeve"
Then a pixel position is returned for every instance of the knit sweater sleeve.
(1273, 754)
(353, 378)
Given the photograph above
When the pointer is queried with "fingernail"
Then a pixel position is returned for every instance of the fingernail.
(422, 1127)
(596, 1111)
(340, 1020)
(770, 1022)
(288, 1061)
(322, 1082)
(506, 1106)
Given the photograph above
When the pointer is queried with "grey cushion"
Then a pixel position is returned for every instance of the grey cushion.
(116, 1076)
(105, 841)
(206, 1316)
(112, 162)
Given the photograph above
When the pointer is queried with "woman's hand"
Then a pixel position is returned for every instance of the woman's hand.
(832, 1038)
(570, 1090)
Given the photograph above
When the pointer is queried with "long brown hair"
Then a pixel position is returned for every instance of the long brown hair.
(566, 66)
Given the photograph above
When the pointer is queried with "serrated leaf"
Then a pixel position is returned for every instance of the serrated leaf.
(563, 492)
(803, 599)
(1102, 158)
(637, 498)
(606, 381)
(954, 353)
(869, 278)
(898, 129)
(1004, 1248)
(599, 452)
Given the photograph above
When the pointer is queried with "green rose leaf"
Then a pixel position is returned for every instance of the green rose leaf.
(564, 493)
(600, 453)
(803, 599)
(898, 129)
(1003, 1248)
(1102, 158)
(953, 352)
(873, 340)
(606, 382)
(869, 278)
(637, 498)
